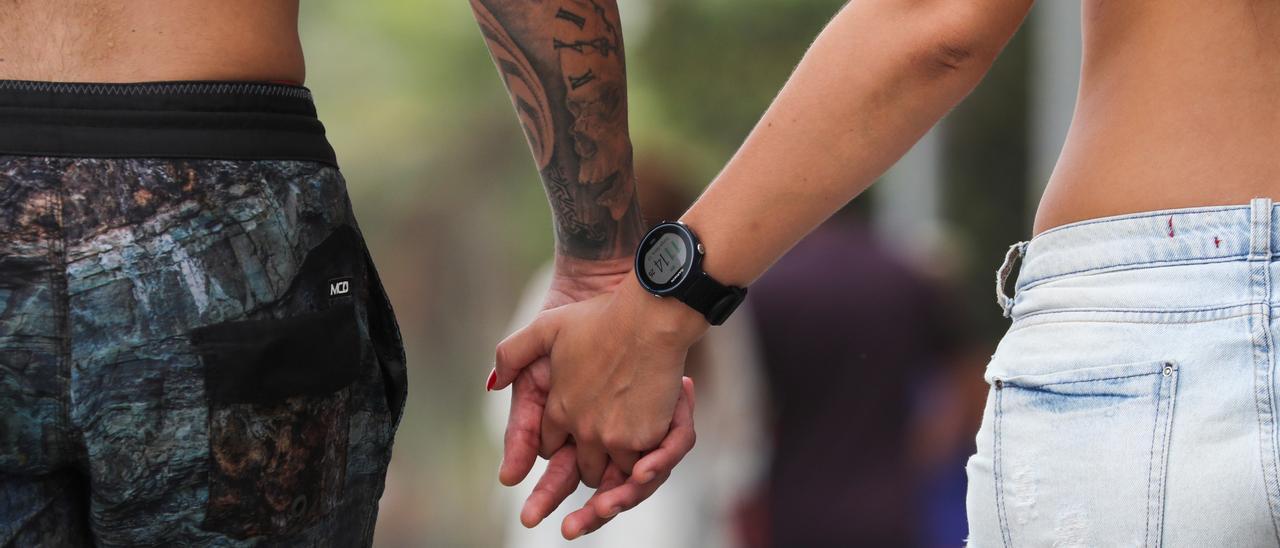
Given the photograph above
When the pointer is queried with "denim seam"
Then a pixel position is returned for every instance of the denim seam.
(1136, 265)
(1260, 253)
(1147, 215)
(997, 465)
(1132, 321)
(1271, 397)
(1090, 379)
(1169, 407)
(1263, 232)
(1151, 456)
(1136, 310)
(1269, 361)
(1260, 408)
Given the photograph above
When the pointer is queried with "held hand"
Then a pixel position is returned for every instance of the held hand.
(573, 280)
(617, 492)
(616, 363)
(560, 479)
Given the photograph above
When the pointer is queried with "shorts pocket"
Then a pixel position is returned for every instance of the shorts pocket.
(278, 419)
(281, 388)
(1080, 455)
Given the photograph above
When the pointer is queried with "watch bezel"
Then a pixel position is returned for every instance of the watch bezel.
(692, 263)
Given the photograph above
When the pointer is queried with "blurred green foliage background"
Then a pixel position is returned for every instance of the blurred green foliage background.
(447, 195)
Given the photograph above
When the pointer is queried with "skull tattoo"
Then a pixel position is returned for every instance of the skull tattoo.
(589, 47)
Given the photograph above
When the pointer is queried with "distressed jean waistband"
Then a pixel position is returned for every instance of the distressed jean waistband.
(1143, 240)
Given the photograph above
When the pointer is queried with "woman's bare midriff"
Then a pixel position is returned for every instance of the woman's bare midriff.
(150, 40)
(1179, 106)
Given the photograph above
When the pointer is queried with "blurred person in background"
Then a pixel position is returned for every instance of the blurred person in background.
(700, 506)
(852, 455)
(1147, 283)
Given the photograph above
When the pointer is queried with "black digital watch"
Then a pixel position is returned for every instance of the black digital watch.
(669, 264)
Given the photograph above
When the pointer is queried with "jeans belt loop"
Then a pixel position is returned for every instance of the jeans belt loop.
(1260, 229)
(1016, 251)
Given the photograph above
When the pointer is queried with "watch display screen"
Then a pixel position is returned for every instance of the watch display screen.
(665, 258)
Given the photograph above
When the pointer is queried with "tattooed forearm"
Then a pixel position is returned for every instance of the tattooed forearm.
(562, 62)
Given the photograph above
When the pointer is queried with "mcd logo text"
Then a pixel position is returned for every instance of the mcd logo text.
(339, 287)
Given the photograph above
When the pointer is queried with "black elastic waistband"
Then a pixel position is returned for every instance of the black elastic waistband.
(199, 120)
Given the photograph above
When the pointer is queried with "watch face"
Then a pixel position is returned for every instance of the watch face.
(665, 258)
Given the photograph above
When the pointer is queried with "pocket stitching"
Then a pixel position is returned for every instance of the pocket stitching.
(997, 469)
(1164, 405)
(1103, 373)
(1155, 500)
(1091, 379)
(1151, 458)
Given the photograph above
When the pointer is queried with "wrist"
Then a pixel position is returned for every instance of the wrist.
(570, 267)
(575, 279)
(663, 320)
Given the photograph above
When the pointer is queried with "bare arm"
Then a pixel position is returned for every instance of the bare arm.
(562, 62)
(872, 84)
(875, 80)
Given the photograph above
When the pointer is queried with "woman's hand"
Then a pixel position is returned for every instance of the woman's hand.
(616, 364)
(572, 280)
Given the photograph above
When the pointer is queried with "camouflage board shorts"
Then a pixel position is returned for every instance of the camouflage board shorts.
(195, 348)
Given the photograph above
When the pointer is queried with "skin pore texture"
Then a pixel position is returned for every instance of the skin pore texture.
(150, 40)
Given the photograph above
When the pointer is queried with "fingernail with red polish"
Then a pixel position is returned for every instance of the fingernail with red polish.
(493, 379)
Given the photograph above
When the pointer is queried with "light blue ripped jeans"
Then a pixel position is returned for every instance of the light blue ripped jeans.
(1133, 399)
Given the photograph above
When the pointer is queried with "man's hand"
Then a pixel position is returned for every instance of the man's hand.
(616, 363)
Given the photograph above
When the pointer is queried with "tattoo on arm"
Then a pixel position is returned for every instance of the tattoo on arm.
(562, 62)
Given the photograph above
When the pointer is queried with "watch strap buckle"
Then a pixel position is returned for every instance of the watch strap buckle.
(725, 305)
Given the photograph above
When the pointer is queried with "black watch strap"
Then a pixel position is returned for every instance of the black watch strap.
(713, 299)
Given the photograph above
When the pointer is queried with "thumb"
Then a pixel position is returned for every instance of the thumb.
(686, 390)
(522, 348)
